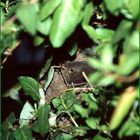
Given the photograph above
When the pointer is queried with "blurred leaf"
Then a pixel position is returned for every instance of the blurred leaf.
(122, 31)
(14, 94)
(44, 26)
(95, 77)
(8, 123)
(38, 40)
(134, 40)
(92, 123)
(89, 9)
(131, 43)
(27, 15)
(131, 9)
(23, 133)
(107, 80)
(107, 56)
(91, 100)
(7, 135)
(26, 114)
(114, 6)
(95, 63)
(12, 9)
(65, 20)
(11, 28)
(82, 111)
(129, 128)
(49, 8)
(42, 125)
(124, 105)
(30, 86)
(7, 41)
(104, 34)
(73, 50)
(128, 63)
(88, 12)
(50, 77)
(99, 137)
(2, 16)
(45, 68)
(56, 102)
(64, 136)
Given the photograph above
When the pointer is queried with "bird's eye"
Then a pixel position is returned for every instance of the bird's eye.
(71, 70)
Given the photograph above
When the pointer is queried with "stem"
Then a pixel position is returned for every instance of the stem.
(72, 119)
(67, 111)
(10, 50)
(86, 78)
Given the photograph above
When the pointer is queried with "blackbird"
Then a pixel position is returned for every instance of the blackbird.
(69, 75)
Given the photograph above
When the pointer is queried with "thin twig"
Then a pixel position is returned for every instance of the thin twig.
(10, 50)
(7, 23)
(67, 111)
(86, 78)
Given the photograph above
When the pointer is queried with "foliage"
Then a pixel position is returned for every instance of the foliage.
(102, 110)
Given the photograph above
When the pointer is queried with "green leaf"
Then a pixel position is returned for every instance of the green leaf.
(88, 12)
(26, 114)
(65, 20)
(106, 81)
(131, 42)
(95, 63)
(134, 40)
(7, 41)
(30, 86)
(99, 137)
(107, 56)
(50, 77)
(95, 77)
(104, 34)
(114, 6)
(73, 50)
(45, 68)
(58, 105)
(64, 136)
(92, 123)
(8, 135)
(9, 121)
(123, 107)
(131, 9)
(28, 16)
(2, 16)
(38, 40)
(69, 98)
(49, 8)
(90, 99)
(23, 133)
(42, 125)
(82, 111)
(129, 128)
(44, 26)
(122, 31)
(56, 102)
(128, 63)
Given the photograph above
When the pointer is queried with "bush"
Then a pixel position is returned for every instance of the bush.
(107, 106)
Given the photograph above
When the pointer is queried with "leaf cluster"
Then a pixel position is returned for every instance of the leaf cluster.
(101, 110)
